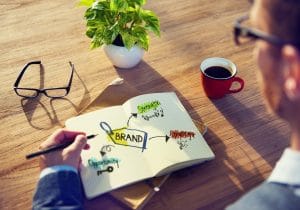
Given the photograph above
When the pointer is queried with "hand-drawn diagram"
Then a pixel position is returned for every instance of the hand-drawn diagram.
(183, 137)
(127, 136)
(105, 149)
(148, 111)
(108, 169)
(104, 164)
(145, 108)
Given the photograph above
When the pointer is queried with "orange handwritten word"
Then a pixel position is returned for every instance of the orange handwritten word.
(175, 134)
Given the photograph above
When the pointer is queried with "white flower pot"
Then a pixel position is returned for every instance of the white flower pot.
(122, 57)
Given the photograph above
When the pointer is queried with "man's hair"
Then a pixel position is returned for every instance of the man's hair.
(284, 19)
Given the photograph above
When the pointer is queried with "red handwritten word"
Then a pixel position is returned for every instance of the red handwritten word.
(175, 134)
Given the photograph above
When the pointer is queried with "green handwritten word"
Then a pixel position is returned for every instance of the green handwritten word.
(145, 107)
(99, 164)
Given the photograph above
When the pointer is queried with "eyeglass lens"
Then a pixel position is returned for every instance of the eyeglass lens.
(243, 34)
(27, 92)
(54, 93)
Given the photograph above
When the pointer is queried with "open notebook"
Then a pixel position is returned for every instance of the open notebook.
(147, 136)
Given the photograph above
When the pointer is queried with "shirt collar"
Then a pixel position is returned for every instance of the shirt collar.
(287, 169)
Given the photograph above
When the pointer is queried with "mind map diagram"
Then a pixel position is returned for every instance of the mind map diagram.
(136, 138)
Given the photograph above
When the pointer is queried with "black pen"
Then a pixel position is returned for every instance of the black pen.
(55, 147)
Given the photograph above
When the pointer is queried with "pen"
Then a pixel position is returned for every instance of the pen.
(55, 147)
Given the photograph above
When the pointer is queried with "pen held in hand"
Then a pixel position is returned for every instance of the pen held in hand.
(55, 148)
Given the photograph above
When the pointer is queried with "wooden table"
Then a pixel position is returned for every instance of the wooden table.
(246, 139)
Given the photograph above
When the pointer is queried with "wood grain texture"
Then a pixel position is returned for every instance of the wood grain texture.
(246, 139)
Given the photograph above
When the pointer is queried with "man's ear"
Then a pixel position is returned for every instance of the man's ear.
(291, 68)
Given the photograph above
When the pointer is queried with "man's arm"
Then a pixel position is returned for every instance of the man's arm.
(59, 185)
(58, 190)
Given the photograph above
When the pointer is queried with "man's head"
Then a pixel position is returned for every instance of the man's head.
(279, 64)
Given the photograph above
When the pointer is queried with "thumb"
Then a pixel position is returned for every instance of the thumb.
(78, 144)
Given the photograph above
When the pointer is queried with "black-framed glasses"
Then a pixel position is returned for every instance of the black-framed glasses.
(57, 92)
(244, 34)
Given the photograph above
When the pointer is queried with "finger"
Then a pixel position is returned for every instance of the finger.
(77, 146)
(60, 136)
(69, 134)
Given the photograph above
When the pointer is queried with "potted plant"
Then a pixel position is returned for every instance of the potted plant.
(122, 27)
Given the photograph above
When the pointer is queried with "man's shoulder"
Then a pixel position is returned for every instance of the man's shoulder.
(268, 196)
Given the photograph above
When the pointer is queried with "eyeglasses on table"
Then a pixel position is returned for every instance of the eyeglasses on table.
(57, 92)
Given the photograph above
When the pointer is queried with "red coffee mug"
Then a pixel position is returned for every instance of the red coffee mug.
(217, 76)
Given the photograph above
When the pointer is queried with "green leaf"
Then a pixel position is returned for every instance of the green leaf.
(95, 23)
(89, 14)
(114, 35)
(128, 40)
(96, 42)
(141, 36)
(90, 32)
(138, 31)
(144, 43)
(151, 21)
(100, 5)
(136, 3)
(106, 19)
(140, 2)
(99, 38)
(118, 5)
(86, 3)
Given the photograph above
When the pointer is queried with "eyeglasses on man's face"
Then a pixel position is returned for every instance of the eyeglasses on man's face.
(245, 34)
(57, 92)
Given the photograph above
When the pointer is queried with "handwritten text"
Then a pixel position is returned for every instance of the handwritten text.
(175, 134)
(99, 164)
(145, 107)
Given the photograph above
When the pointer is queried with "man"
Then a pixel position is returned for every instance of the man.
(277, 34)
(59, 185)
(276, 31)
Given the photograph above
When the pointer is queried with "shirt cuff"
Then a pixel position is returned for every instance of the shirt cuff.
(57, 168)
(287, 169)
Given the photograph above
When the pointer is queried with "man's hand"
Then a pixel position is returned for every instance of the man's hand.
(67, 156)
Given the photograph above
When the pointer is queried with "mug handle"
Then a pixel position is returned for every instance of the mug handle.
(239, 80)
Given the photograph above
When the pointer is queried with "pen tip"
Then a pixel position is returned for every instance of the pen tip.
(91, 136)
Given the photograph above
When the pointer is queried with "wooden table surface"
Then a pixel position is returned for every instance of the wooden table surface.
(246, 139)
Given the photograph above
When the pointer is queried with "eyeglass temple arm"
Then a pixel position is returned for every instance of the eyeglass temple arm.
(23, 71)
(71, 77)
(239, 29)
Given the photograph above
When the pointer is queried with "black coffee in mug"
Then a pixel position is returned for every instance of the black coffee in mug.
(218, 72)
